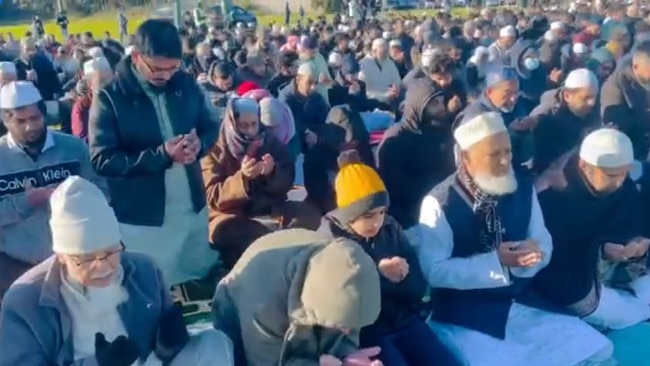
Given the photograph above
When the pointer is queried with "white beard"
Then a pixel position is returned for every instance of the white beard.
(497, 186)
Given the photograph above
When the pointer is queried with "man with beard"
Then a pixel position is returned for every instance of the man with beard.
(381, 76)
(147, 131)
(482, 240)
(33, 160)
(564, 116)
(625, 100)
(92, 303)
(442, 72)
(34, 66)
(501, 95)
(593, 211)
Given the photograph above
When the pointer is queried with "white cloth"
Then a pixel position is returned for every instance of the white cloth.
(618, 309)
(207, 348)
(94, 312)
(533, 338)
(18, 94)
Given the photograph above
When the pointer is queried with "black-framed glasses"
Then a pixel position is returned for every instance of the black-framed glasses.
(87, 261)
(157, 71)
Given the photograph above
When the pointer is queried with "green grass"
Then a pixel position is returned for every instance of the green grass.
(108, 22)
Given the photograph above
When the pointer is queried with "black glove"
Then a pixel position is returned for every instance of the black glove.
(172, 334)
(121, 352)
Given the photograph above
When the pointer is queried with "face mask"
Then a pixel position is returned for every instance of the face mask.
(531, 64)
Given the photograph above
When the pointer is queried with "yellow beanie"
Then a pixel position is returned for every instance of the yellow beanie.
(358, 187)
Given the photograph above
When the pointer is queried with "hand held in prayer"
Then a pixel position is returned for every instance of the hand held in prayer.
(329, 360)
(454, 104)
(393, 92)
(394, 269)
(556, 75)
(191, 147)
(614, 252)
(172, 334)
(310, 138)
(250, 167)
(637, 248)
(324, 79)
(174, 149)
(37, 197)
(31, 75)
(362, 357)
(517, 254)
(269, 165)
(354, 88)
(121, 352)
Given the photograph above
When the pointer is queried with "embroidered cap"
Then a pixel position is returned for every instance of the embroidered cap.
(581, 78)
(478, 128)
(607, 148)
(18, 94)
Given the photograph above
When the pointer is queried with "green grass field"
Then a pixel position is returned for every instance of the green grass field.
(108, 22)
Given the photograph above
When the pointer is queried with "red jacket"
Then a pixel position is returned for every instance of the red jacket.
(80, 112)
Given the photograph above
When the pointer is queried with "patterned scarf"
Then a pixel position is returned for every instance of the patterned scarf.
(485, 207)
(238, 144)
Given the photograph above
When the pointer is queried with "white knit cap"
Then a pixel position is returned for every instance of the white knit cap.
(387, 35)
(581, 78)
(557, 25)
(7, 67)
(99, 64)
(395, 43)
(95, 52)
(607, 148)
(335, 59)
(580, 48)
(478, 128)
(379, 43)
(81, 220)
(508, 31)
(18, 94)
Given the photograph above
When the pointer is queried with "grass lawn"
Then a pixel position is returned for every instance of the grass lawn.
(108, 22)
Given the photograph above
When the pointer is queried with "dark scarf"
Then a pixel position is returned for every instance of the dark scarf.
(485, 207)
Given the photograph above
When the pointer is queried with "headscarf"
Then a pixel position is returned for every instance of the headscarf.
(277, 118)
(237, 143)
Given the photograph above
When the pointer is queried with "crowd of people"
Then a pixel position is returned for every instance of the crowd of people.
(401, 191)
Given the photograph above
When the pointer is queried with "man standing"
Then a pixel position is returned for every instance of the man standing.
(62, 22)
(124, 25)
(147, 130)
(33, 161)
(482, 239)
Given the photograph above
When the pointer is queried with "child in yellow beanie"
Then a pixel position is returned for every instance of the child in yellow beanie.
(362, 201)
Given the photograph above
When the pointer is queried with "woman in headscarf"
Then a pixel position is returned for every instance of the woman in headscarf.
(247, 176)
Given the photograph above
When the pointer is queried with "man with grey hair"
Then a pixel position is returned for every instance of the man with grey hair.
(379, 72)
(7, 73)
(625, 103)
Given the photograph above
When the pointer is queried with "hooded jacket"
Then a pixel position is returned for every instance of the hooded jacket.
(400, 302)
(415, 155)
(531, 83)
(558, 130)
(290, 292)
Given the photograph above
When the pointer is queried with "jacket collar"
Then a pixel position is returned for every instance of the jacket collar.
(49, 142)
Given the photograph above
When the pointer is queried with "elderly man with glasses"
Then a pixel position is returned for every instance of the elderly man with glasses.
(91, 303)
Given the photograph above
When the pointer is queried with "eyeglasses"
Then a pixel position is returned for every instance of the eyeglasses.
(158, 71)
(87, 261)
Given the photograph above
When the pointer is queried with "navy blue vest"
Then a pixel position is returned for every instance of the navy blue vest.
(484, 310)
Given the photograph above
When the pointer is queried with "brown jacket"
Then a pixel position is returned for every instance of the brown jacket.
(230, 194)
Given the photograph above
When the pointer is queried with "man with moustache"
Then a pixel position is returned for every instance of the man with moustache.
(33, 161)
(147, 131)
(91, 303)
(482, 239)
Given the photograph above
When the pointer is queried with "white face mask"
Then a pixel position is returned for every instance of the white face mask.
(531, 64)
